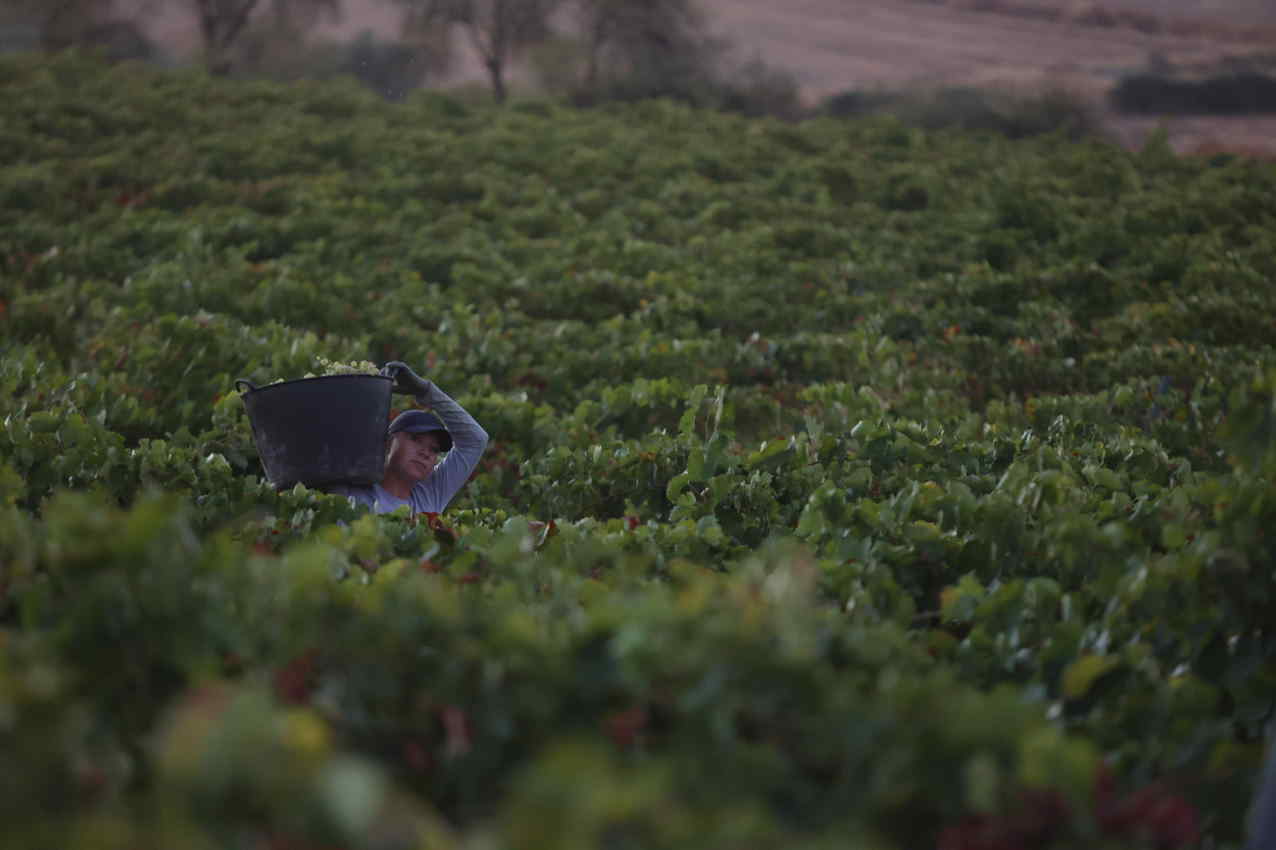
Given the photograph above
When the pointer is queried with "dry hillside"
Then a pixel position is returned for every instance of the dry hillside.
(833, 45)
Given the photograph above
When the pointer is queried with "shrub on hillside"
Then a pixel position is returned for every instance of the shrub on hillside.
(1237, 93)
(855, 103)
(756, 88)
(751, 88)
(392, 69)
(1013, 115)
(116, 40)
(631, 52)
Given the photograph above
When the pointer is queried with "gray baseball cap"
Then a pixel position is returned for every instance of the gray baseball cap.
(420, 422)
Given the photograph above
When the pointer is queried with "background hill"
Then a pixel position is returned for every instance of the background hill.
(819, 49)
(830, 45)
(1084, 48)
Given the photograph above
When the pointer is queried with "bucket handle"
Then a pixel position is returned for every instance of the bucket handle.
(240, 382)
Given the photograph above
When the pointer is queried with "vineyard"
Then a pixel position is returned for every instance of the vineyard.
(849, 485)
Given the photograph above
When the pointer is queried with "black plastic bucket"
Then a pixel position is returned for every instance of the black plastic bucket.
(320, 431)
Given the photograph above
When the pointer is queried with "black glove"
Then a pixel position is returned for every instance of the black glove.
(405, 380)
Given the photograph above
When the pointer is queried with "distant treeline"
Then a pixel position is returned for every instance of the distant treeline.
(587, 52)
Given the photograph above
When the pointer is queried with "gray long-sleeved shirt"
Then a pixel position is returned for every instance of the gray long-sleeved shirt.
(433, 494)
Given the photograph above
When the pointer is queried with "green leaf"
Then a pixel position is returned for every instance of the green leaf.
(770, 455)
(676, 486)
(1173, 536)
(959, 602)
(44, 422)
(687, 423)
(1080, 676)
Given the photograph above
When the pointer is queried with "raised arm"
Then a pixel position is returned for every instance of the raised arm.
(468, 442)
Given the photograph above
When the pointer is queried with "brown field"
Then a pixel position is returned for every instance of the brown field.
(834, 45)
(837, 44)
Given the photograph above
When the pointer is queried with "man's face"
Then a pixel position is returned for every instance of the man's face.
(415, 455)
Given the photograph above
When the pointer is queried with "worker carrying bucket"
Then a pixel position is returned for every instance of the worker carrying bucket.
(429, 456)
(331, 433)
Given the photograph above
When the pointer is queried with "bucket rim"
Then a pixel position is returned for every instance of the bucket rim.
(253, 388)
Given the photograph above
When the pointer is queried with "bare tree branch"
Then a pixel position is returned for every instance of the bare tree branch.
(221, 21)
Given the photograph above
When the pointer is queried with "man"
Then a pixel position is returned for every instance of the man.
(414, 475)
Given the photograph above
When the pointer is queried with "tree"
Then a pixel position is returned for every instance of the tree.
(655, 46)
(222, 22)
(390, 68)
(499, 30)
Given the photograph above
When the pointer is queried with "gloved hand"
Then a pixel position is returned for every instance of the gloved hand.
(405, 380)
